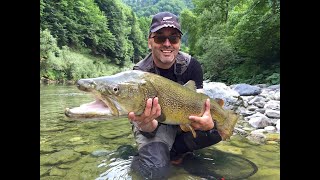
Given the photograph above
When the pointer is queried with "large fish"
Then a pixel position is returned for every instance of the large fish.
(128, 91)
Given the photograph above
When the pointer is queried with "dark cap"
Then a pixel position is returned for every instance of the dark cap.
(164, 19)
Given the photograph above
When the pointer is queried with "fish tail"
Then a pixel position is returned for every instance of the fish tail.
(226, 129)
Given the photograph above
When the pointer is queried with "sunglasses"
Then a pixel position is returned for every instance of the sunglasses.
(174, 39)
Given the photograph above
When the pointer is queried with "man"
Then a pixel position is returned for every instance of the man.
(160, 144)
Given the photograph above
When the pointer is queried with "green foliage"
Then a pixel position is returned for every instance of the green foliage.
(211, 11)
(248, 71)
(148, 8)
(42, 5)
(189, 22)
(236, 41)
(137, 37)
(124, 26)
(144, 23)
(108, 28)
(217, 56)
(274, 78)
(77, 24)
(71, 65)
(48, 44)
(79, 66)
(257, 33)
(48, 51)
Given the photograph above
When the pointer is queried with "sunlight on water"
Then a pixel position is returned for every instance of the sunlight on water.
(117, 169)
(104, 150)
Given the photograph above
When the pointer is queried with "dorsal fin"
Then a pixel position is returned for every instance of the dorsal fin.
(219, 101)
(191, 85)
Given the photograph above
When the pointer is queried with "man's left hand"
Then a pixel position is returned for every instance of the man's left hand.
(205, 122)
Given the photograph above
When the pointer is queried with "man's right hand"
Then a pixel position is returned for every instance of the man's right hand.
(146, 121)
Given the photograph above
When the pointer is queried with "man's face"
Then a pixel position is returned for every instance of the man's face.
(164, 51)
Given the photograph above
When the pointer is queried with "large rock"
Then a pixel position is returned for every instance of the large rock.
(247, 90)
(221, 91)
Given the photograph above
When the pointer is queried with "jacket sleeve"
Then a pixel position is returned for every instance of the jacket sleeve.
(185, 142)
(150, 134)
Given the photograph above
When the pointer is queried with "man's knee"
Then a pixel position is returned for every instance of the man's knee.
(153, 161)
(155, 154)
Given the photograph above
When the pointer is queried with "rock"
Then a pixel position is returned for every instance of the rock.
(258, 138)
(247, 90)
(259, 120)
(270, 129)
(278, 125)
(59, 157)
(272, 113)
(101, 152)
(58, 172)
(221, 91)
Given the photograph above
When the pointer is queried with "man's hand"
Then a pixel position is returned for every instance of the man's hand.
(146, 122)
(205, 122)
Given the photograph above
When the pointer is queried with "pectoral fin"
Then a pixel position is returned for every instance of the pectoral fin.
(219, 101)
(187, 127)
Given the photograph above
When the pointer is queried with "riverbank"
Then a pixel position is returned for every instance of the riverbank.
(49, 81)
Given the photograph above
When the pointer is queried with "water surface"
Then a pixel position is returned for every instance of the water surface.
(104, 149)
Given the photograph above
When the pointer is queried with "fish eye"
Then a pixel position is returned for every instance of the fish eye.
(115, 89)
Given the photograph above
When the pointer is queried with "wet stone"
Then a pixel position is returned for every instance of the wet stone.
(65, 166)
(44, 170)
(46, 149)
(74, 139)
(115, 134)
(86, 149)
(61, 157)
(273, 137)
(57, 172)
(101, 152)
(52, 129)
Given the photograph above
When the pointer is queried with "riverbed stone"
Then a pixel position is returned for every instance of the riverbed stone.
(63, 156)
(58, 172)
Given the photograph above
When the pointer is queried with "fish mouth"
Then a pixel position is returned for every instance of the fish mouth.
(94, 109)
(101, 108)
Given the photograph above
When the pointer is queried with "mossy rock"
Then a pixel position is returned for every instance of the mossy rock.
(58, 172)
(273, 137)
(63, 156)
(44, 170)
(87, 149)
(115, 133)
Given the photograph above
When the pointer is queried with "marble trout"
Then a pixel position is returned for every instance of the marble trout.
(128, 91)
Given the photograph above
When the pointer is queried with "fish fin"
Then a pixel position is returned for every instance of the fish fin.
(161, 118)
(191, 85)
(226, 128)
(187, 127)
(184, 128)
(219, 101)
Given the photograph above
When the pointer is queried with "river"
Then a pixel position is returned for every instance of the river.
(104, 149)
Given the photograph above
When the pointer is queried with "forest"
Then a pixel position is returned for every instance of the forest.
(236, 41)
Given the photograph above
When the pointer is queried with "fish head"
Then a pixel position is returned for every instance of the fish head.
(115, 95)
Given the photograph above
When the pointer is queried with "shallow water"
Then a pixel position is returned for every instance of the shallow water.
(104, 149)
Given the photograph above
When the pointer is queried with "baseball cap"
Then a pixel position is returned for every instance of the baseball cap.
(164, 19)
